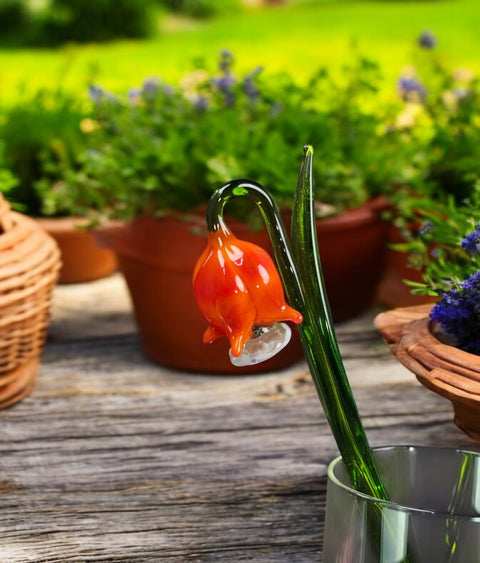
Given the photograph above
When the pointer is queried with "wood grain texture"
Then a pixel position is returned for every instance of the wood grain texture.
(114, 458)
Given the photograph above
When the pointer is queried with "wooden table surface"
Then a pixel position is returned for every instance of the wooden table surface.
(114, 458)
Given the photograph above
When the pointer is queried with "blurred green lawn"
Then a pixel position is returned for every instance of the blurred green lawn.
(298, 37)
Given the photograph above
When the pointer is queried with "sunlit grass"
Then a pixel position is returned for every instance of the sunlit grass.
(298, 38)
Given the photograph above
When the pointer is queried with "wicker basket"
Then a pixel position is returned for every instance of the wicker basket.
(29, 265)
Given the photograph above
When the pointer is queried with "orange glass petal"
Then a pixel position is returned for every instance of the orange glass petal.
(237, 287)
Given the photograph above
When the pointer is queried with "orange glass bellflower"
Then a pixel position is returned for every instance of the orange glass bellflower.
(238, 288)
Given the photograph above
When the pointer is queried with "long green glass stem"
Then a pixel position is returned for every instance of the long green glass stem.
(300, 269)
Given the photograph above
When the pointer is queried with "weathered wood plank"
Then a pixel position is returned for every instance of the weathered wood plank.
(99, 308)
(186, 478)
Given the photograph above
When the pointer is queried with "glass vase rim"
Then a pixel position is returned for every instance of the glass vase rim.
(397, 505)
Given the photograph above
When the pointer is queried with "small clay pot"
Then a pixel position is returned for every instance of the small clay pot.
(83, 260)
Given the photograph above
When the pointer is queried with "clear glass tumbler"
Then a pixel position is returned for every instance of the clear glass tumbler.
(433, 515)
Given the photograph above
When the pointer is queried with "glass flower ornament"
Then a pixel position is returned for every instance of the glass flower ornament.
(231, 290)
(240, 293)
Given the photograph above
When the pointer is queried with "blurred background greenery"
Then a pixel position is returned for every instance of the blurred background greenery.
(120, 43)
(350, 77)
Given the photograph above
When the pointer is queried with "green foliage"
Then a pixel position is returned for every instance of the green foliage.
(318, 32)
(161, 148)
(441, 119)
(41, 137)
(167, 148)
(14, 18)
(8, 181)
(436, 242)
(439, 246)
(445, 127)
(201, 8)
(95, 20)
(80, 21)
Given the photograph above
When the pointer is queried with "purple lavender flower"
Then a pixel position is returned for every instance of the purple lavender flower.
(134, 95)
(276, 109)
(471, 242)
(426, 227)
(200, 103)
(427, 40)
(458, 313)
(226, 61)
(150, 89)
(226, 82)
(411, 87)
(249, 87)
(225, 85)
(97, 94)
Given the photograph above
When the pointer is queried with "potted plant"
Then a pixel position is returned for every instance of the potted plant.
(154, 158)
(440, 343)
(42, 136)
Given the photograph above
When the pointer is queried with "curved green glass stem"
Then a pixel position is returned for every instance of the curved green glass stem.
(269, 210)
(300, 269)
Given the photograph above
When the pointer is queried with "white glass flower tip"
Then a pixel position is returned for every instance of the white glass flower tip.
(267, 342)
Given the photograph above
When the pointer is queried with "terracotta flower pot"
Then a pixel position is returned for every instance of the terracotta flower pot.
(392, 290)
(83, 260)
(164, 252)
(444, 369)
(29, 265)
(157, 258)
(352, 249)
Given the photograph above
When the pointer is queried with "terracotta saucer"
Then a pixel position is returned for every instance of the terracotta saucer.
(446, 370)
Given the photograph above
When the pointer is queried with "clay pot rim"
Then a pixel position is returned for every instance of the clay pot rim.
(443, 368)
(351, 218)
(63, 225)
(195, 219)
